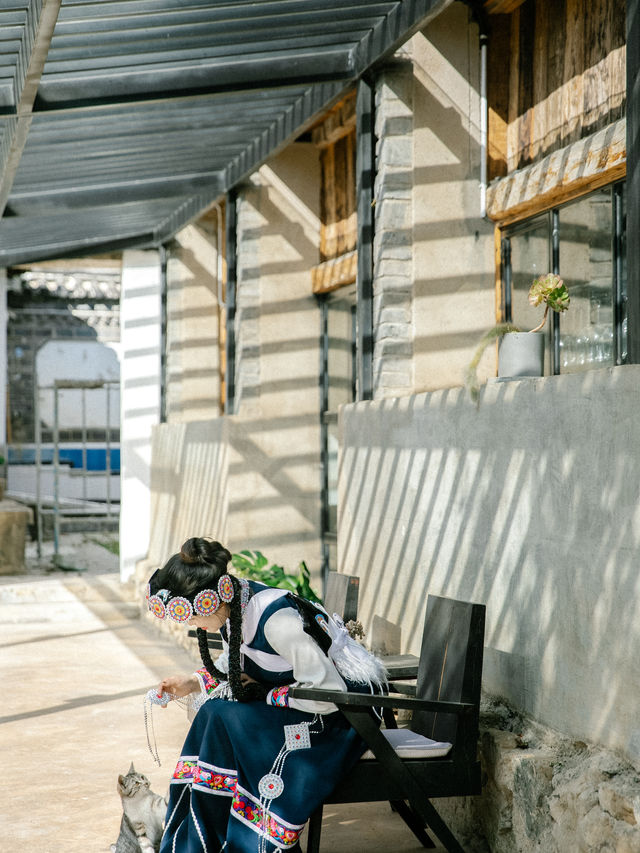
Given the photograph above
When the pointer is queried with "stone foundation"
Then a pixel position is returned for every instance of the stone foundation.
(14, 518)
(546, 793)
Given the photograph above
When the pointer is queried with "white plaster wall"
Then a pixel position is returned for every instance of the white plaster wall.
(528, 503)
(452, 246)
(140, 315)
(274, 433)
(193, 324)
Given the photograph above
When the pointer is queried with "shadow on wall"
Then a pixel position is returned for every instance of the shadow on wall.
(218, 478)
(527, 503)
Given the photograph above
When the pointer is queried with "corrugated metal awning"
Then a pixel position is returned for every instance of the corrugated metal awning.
(122, 120)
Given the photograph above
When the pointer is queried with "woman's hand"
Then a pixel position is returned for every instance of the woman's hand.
(179, 685)
(246, 679)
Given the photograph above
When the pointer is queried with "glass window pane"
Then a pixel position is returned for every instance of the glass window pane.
(341, 352)
(530, 257)
(586, 265)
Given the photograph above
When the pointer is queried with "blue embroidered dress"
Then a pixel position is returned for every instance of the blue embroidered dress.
(251, 773)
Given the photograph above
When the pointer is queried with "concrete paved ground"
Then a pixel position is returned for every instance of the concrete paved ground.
(76, 661)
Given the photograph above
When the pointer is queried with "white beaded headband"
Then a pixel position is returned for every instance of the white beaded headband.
(180, 609)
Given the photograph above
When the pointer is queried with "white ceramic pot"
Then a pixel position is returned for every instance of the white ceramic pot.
(521, 354)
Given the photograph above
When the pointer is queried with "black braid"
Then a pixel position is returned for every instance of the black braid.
(199, 565)
(205, 654)
(241, 692)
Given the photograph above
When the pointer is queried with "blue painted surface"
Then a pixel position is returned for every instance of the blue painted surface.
(71, 456)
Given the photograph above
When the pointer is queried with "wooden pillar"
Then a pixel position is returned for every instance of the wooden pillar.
(633, 178)
(365, 175)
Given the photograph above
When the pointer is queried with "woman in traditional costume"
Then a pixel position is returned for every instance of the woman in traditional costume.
(256, 762)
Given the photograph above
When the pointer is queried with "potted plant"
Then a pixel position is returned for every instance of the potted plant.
(521, 353)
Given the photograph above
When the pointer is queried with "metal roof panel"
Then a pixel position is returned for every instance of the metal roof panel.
(124, 119)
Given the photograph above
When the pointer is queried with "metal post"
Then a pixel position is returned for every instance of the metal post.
(555, 267)
(107, 449)
(365, 172)
(619, 289)
(38, 440)
(633, 179)
(56, 471)
(232, 284)
(83, 392)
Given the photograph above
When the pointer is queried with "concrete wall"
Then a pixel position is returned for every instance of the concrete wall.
(139, 400)
(452, 247)
(528, 503)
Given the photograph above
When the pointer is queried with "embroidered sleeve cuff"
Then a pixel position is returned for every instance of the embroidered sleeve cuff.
(206, 682)
(279, 696)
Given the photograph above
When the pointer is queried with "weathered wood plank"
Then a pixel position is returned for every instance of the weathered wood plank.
(501, 7)
(565, 174)
(498, 95)
(340, 121)
(335, 273)
(328, 229)
(567, 74)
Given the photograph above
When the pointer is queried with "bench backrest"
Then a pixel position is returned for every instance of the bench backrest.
(341, 595)
(450, 669)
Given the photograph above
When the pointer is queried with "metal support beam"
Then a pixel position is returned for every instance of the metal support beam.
(365, 175)
(633, 178)
(34, 49)
(231, 210)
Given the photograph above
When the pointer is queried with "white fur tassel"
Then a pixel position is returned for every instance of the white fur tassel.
(352, 660)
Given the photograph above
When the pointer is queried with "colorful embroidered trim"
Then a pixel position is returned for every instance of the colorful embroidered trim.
(206, 680)
(280, 696)
(249, 811)
(213, 782)
(185, 768)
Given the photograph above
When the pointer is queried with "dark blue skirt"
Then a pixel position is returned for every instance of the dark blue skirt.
(251, 774)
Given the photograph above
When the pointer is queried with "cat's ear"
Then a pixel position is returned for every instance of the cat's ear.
(132, 769)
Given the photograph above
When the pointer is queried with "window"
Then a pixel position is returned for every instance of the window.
(584, 242)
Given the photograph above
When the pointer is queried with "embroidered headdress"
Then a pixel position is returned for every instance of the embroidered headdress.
(180, 608)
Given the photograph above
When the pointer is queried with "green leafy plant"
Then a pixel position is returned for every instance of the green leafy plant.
(549, 290)
(253, 565)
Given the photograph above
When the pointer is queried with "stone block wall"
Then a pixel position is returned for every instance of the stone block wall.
(546, 793)
(247, 377)
(393, 265)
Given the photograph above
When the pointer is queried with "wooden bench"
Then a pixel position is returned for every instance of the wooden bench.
(437, 755)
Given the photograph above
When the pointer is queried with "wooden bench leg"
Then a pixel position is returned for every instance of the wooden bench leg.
(314, 828)
(413, 822)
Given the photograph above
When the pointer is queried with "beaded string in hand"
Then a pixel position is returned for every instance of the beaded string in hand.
(152, 697)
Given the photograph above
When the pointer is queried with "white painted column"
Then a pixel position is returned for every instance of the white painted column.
(140, 378)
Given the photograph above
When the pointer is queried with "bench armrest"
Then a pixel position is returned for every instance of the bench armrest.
(363, 701)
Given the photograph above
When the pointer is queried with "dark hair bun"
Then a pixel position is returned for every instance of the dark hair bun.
(200, 550)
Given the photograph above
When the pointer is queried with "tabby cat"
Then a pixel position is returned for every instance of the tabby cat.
(143, 815)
